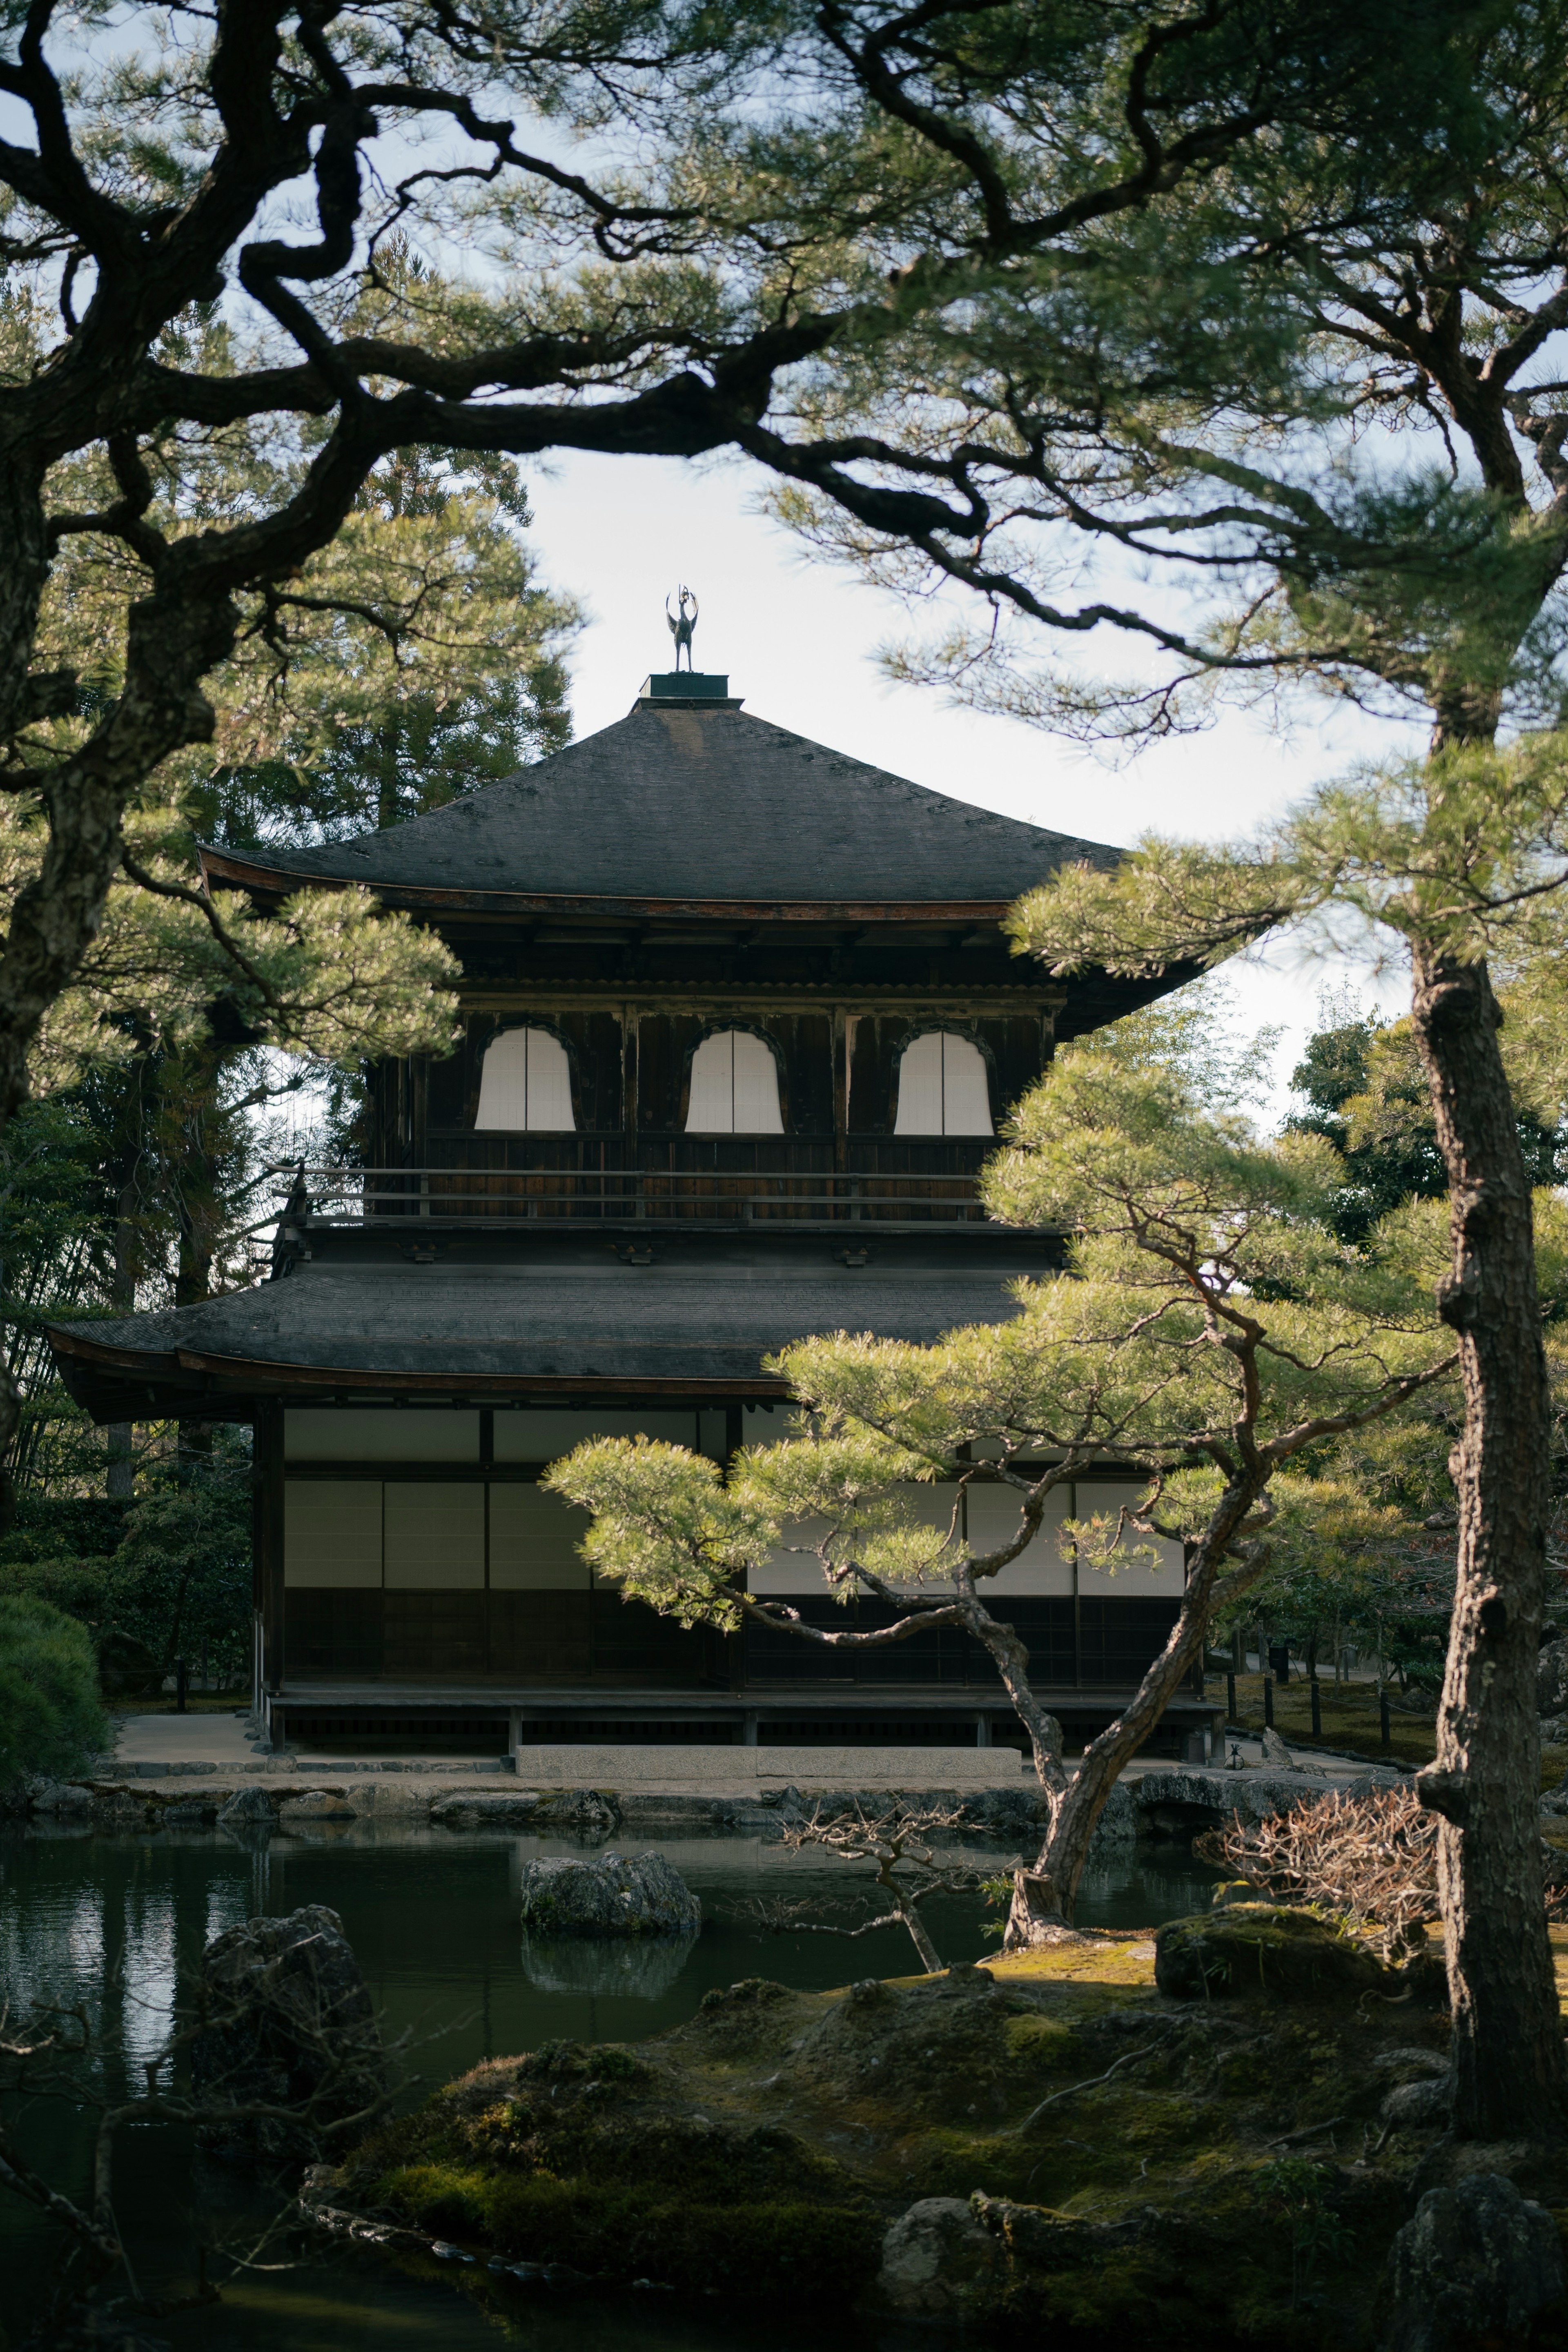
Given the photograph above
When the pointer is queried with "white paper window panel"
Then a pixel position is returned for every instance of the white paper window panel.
(380, 1434)
(434, 1537)
(801, 1571)
(546, 1436)
(1138, 1581)
(526, 1083)
(944, 1089)
(793, 1571)
(734, 1087)
(534, 1538)
(994, 1521)
(332, 1532)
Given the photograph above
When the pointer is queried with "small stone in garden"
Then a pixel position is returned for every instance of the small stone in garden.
(1477, 2265)
(936, 2257)
(1423, 2106)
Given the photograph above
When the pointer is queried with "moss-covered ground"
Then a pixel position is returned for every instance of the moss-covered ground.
(1170, 2171)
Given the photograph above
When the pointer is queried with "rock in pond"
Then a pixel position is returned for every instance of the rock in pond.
(316, 1805)
(584, 1812)
(288, 2023)
(486, 1809)
(1476, 2266)
(247, 1809)
(65, 1797)
(191, 1814)
(1268, 1948)
(611, 1896)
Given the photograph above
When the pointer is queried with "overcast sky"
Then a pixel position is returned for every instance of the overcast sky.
(798, 639)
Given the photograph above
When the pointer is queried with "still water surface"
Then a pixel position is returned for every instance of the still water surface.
(119, 1924)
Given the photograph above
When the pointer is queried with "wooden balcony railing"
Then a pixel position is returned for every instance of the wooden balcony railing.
(468, 1196)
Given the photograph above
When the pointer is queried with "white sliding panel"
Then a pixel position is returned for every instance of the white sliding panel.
(801, 1571)
(545, 1437)
(994, 1516)
(380, 1434)
(1137, 1580)
(534, 1542)
(793, 1571)
(434, 1537)
(332, 1532)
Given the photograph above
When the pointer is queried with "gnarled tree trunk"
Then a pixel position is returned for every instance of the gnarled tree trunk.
(1512, 2079)
(1044, 1898)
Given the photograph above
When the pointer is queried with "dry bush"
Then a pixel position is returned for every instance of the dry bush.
(1374, 1859)
(908, 1871)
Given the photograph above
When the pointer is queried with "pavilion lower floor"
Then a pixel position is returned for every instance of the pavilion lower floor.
(595, 1637)
(480, 1672)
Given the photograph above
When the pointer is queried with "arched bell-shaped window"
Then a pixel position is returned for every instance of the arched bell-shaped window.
(944, 1089)
(526, 1083)
(734, 1087)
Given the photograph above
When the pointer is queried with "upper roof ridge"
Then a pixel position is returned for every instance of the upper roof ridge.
(692, 800)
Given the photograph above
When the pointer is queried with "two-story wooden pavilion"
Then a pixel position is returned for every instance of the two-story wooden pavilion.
(739, 1021)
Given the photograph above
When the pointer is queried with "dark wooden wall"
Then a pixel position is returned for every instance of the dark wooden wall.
(631, 1069)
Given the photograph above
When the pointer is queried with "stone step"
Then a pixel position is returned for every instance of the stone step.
(715, 1769)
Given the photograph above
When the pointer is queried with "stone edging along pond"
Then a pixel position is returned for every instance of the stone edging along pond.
(1165, 1805)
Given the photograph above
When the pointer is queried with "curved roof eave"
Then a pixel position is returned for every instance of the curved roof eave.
(225, 866)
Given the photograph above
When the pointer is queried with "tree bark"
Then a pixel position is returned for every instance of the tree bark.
(1510, 2076)
(1044, 1898)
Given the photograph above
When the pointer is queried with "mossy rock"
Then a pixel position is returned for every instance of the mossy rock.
(613, 1896)
(748, 1993)
(1252, 1949)
(563, 2157)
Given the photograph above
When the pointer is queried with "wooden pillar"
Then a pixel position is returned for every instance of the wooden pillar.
(843, 1041)
(629, 1073)
(268, 1541)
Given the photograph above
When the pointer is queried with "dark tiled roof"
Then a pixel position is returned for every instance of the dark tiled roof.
(703, 805)
(560, 1316)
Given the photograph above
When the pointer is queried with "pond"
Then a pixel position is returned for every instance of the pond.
(118, 1924)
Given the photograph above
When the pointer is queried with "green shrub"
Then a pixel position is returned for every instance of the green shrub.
(50, 1718)
(181, 1573)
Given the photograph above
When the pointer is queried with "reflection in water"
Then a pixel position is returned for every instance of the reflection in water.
(636, 1967)
(116, 1923)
